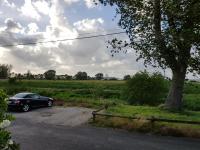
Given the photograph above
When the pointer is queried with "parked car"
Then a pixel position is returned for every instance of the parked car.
(26, 101)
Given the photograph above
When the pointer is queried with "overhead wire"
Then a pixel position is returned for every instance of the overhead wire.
(62, 40)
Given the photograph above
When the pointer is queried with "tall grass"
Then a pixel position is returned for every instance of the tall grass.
(92, 89)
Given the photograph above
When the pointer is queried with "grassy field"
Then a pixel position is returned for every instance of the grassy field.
(146, 111)
(89, 93)
(95, 93)
(142, 125)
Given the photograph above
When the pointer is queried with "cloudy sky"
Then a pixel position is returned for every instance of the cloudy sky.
(29, 21)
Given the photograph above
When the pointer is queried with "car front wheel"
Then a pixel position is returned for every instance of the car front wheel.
(26, 108)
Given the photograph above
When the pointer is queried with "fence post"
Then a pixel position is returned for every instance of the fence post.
(93, 116)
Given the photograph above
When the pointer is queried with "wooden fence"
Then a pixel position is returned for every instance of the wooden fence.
(152, 119)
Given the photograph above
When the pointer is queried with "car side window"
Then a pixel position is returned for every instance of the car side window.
(35, 96)
(28, 96)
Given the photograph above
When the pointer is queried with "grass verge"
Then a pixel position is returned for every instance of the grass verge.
(142, 125)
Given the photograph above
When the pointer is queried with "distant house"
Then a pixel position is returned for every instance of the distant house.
(60, 77)
(63, 77)
(110, 78)
(39, 76)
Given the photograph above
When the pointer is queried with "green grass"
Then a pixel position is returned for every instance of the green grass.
(92, 90)
(146, 111)
(63, 84)
(95, 94)
(192, 102)
(142, 125)
(192, 88)
(90, 93)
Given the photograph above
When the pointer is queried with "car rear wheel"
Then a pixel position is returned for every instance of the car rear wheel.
(26, 108)
(50, 104)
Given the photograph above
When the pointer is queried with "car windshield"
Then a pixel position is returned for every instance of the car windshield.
(20, 95)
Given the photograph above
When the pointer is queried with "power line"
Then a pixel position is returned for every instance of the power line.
(81, 33)
(62, 40)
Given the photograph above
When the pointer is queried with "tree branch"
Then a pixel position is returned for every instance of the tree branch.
(161, 46)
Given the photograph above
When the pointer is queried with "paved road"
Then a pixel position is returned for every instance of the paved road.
(64, 129)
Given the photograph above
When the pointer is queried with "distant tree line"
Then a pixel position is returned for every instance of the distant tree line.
(5, 73)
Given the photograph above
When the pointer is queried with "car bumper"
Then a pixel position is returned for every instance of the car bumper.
(14, 107)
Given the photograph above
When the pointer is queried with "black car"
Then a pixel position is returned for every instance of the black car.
(26, 101)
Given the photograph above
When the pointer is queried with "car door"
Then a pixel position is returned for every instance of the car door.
(43, 100)
(37, 102)
(30, 100)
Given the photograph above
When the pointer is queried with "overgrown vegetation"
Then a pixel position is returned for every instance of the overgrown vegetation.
(144, 88)
(167, 129)
(93, 93)
(142, 125)
(5, 137)
(147, 111)
(98, 93)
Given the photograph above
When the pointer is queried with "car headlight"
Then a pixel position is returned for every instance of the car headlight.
(16, 101)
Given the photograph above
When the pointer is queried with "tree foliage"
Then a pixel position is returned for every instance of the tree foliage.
(144, 88)
(50, 74)
(81, 76)
(29, 75)
(164, 33)
(99, 76)
(5, 71)
(127, 77)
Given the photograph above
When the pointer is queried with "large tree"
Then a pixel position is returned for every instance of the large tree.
(5, 71)
(99, 76)
(165, 33)
(81, 76)
(50, 74)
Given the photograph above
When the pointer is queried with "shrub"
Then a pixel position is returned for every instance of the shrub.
(5, 137)
(192, 102)
(144, 88)
(13, 90)
(12, 80)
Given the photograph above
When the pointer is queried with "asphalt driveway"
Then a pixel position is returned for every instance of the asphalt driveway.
(67, 129)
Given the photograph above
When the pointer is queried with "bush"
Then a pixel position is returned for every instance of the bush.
(13, 90)
(144, 88)
(12, 80)
(191, 102)
(5, 138)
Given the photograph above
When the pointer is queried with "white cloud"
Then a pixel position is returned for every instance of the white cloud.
(111, 63)
(29, 10)
(33, 28)
(90, 3)
(89, 24)
(42, 6)
(58, 25)
(71, 1)
(8, 4)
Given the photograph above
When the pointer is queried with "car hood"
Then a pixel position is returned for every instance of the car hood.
(44, 97)
(15, 98)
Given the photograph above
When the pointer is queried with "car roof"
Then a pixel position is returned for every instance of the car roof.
(26, 93)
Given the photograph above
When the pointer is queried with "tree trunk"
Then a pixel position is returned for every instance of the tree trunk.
(174, 99)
